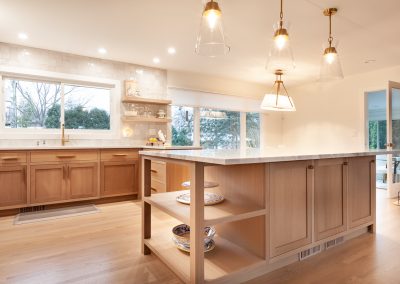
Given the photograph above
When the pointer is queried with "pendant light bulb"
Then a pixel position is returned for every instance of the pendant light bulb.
(211, 39)
(280, 55)
(330, 67)
(212, 14)
(278, 99)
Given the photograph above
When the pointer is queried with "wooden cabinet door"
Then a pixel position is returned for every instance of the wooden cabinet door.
(330, 197)
(82, 180)
(290, 206)
(119, 178)
(48, 183)
(361, 192)
(13, 190)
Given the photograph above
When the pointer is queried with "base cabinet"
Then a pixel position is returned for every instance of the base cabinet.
(13, 188)
(82, 180)
(290, 185)
(330, 197)
(48, 183)
(362, 191)
(119, 178)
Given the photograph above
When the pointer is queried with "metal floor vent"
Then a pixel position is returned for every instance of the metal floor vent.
(32, 209)
(309, 252)
(334, 242)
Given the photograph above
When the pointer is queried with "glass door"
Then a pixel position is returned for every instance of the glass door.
(376, 124)
(393, 138)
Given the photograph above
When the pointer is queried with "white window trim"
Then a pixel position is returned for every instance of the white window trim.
(62, 78)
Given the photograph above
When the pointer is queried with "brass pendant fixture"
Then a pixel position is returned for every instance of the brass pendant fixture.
(330, 67)
(211, 40)
(278, 99)
(281, 55)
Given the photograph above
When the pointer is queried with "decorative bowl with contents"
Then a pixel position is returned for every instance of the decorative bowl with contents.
(181, 237)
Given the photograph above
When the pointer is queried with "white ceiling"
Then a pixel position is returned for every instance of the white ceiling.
(136, 31)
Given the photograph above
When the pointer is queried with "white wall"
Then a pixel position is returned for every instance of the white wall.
(330, 116)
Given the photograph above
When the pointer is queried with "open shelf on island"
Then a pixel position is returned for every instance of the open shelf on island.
(145, 100)
(145, 119)
(213, 214)
(220, 263)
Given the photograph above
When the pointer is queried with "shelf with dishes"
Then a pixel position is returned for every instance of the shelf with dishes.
(226, 211)
(219, 263)
(152, 119)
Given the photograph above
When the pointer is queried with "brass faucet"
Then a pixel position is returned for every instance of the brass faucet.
(63, 138)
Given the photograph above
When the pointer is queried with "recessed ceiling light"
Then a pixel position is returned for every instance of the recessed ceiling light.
(22, 36)
(156, 60)
(171, 50)
(102, 50)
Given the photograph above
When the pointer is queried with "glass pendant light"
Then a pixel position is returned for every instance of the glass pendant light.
(330, 66)
(280, 54)
(211, 40)
(278, 99)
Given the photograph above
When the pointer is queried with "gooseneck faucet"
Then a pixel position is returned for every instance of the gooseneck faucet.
(64, 139)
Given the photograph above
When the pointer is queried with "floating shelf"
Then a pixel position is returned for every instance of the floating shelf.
(219, 264)
(145, 100)
(145, 119)
(214, 214)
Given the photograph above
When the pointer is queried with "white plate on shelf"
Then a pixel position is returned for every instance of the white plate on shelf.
(207, 184)
(209, 198)
(207, 247)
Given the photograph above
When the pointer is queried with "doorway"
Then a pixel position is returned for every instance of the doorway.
(383, 132)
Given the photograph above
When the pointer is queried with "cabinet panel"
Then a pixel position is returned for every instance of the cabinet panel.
(290, 206)
(48, 183)
(8, 158)
(82, 180)
(330, 193)
(13, 190)
(61, 156)
(119, 178)
(119, 155)
(361, 190)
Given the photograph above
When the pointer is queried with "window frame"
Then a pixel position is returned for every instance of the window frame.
(63, 79)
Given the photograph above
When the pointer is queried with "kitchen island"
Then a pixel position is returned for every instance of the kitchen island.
(279, 208)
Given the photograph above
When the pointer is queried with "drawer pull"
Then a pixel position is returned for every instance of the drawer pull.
(310, 167)
(66, 156)
(154, 171)
(9, 158)
(120, 155)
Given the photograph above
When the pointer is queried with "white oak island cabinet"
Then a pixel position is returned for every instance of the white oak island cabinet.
(278, 209)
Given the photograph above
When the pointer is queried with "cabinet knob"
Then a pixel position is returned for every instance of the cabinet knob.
(345, 163)
(310, 167)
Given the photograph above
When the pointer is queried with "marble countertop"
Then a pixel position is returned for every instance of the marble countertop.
(111, 146)
(252, 156)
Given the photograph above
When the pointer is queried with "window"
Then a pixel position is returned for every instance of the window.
(45, 105)
(253, 130)
(86, 107)
(219, 129)
(27, 104)
(182, 126)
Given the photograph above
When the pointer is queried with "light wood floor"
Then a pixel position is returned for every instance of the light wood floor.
(105, 248)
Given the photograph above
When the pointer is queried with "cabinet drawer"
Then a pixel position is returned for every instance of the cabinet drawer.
(63, 156)
(158, 171)
(7, 158)
(158, 186)
(119, 155)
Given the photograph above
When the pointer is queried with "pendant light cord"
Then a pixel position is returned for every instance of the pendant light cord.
(281, 15)
(330, 39)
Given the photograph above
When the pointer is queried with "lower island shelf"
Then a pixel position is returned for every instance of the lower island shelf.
(220, 264)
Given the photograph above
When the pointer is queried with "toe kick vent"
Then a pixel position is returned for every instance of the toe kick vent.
(309, 252)
(334, 243)
(32, 209)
